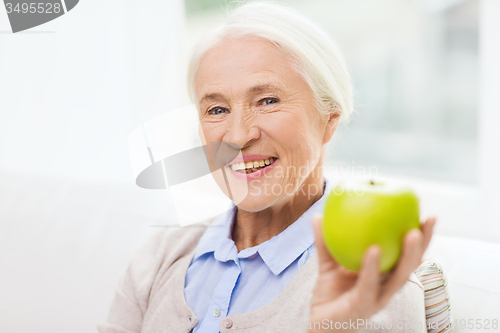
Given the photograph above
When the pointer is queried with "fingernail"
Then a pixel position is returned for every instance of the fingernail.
(375, 249)
(413, 233)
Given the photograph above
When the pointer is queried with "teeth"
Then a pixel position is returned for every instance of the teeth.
(252, 166)
(238, 166)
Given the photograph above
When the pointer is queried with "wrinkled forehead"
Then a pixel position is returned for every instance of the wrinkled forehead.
(246, 63)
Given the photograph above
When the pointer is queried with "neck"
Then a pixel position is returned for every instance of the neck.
(253, 228)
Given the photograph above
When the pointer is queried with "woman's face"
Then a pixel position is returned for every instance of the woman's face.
(250, 95)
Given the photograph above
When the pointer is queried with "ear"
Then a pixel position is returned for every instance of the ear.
(331, 125)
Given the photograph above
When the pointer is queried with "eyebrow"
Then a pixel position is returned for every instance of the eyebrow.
(264, 87)
(255, 89)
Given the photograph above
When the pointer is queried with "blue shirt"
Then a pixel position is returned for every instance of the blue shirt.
(221, 281)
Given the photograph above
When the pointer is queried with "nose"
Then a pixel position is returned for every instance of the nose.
(241, 128)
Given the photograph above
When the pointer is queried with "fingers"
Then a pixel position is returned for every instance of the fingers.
(368, 283)
(325, 259)
(427, 229)
(415, 243)
(413, 246)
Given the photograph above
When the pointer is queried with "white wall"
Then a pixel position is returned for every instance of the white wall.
(489, 117)
(73, 89)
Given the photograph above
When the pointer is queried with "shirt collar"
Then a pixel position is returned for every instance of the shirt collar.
(217, 237)
(278, 252)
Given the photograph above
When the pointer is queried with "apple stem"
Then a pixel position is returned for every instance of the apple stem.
(371, 182)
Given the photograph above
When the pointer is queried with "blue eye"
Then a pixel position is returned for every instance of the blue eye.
(270, 99)
(215, 111)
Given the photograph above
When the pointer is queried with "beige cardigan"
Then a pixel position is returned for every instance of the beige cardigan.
(150, 295)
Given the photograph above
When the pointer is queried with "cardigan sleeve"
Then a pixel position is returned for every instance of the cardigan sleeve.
(132, 289)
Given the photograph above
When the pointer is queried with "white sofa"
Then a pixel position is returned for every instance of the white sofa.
(473, 271)
(63, 244)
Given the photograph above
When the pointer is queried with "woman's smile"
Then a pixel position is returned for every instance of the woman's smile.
(251, 167)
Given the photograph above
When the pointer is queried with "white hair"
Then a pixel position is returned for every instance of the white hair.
(316, 55)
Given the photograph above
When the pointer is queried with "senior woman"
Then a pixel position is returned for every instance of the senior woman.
(273, 83)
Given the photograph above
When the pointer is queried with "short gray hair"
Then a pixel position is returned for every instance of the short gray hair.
(316, 54)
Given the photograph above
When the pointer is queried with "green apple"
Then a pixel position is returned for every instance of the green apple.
(362, 214)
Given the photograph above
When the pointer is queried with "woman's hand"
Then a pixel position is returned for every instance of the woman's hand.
(342, 296)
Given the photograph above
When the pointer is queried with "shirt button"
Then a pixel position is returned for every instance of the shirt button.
(216, 312)
(228, 323)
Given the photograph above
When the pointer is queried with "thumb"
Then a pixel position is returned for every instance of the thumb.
(325, 259)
